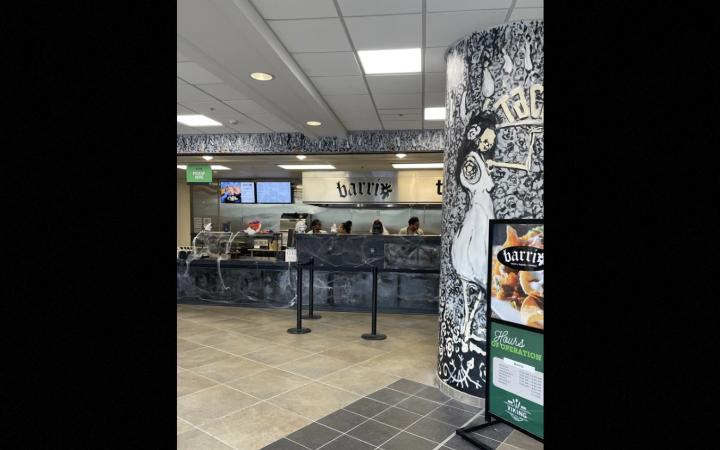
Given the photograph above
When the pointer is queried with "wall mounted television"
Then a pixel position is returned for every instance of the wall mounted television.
(274, 192)
(237, 192)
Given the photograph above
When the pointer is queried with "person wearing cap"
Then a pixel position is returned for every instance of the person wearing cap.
(413, 227)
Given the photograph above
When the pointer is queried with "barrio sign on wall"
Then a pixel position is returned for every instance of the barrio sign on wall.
(421, 186)
(198, 174)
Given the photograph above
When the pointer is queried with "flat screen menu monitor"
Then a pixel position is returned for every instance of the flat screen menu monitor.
(237, 192)
(274, 192)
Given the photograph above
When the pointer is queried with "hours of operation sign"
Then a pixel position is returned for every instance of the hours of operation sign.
(516, 387)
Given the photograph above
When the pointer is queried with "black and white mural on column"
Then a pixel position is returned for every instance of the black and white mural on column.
(493, 169)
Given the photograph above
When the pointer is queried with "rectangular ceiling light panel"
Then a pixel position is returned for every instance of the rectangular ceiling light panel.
(306, 166)
(435, 113)
(390, 61)
(418, 166)
(197, 120)
(213, 167)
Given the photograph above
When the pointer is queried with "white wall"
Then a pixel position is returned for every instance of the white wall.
(183, 213)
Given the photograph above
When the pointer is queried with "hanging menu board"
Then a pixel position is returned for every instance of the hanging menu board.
(516, 357)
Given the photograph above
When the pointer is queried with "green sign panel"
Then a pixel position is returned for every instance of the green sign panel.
(198, 174)
(515, 388)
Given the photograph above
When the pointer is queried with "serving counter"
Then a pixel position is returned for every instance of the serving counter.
(408, 275)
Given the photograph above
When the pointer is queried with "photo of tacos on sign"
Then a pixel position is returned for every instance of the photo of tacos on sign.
(517, 278)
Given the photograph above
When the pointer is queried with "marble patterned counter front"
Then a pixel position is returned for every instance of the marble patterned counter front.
(342, 275)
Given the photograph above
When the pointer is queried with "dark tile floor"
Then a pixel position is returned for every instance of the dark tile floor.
(406, 415)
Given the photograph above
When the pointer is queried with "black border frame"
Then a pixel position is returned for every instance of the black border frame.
(488, 415)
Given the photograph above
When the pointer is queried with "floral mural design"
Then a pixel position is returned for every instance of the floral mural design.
(493, 169)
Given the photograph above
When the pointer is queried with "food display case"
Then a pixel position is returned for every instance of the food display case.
(260, 244)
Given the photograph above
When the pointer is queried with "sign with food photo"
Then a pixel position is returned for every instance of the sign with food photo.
(517, 272)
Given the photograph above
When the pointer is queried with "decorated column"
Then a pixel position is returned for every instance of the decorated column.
(493, 170)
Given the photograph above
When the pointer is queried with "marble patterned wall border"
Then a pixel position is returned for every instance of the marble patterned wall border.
(406, 141)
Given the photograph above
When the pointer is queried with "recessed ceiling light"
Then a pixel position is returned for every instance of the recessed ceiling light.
(400, 155)
(435, 113)
(261, 76)
(213, 167)
(390, 61)
(419, 166)
(306, 166)
(197, 120)
(207, 157)
(301, 157)
(313, 123)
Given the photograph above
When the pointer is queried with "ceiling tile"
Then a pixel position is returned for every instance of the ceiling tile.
(396, 111)
(435, 82)
(434, 99)
(434, 124)
(216, 130)
(376, 7)
(529, 4)
(466, 5)
(273, 122)
(435, 59)
(395, 84)
(362, 124)
(183, 110)
(328, 64)
(249, 128)
(315, 35)
(443, 29)
(350, 105)
(340, 85)
(389, 101)
(181, 57)
(385, 32)
(188, 93)
(527, 14)
(211, 109)
(402, 124)
(294, 9)
(222, 91)
(184, 129)
(246, 106)
(194, 74)
(400, 114)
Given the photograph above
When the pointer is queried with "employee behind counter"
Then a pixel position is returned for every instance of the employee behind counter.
(376, 228)
(413, 227)
(316, 227)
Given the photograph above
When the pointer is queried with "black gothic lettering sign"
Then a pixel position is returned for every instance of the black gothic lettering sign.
(373, 187)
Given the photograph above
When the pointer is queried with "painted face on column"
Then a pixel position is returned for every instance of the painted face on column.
(487, 140)
(475, 175)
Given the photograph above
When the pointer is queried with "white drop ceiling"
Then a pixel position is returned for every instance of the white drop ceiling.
(265, 166)
(309, 46)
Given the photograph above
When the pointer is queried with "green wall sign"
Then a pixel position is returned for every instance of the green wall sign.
(198, 174)
(515, 388)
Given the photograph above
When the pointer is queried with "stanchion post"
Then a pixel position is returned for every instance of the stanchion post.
(311, 291)
(298, 303)
(374, 336)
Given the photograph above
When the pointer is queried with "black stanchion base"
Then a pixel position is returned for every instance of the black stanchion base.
(465, 433)
(298, 330)
(373, 337)
(313, 317)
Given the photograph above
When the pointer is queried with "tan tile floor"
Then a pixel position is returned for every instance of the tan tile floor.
(243, 382)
